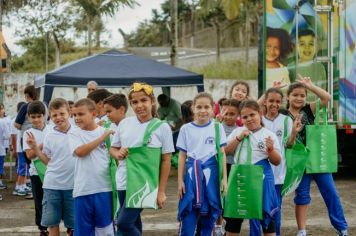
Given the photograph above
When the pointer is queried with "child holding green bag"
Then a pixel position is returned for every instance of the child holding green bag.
(262, 148)
(143, 145)
(296, 95)
(199, 182)
(282, 126)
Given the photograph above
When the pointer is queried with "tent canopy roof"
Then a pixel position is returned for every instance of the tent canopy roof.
(118, 69)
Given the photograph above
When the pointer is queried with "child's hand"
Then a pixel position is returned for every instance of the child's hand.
(220, 117)
(181, 189)
(31, 141)
(122, 154)
(243, 134)
(101, 122)
(297, 124)
(224, 186)
(161, 198)
(278, 84)
(107, 133)
(269, 144)
(306, 81)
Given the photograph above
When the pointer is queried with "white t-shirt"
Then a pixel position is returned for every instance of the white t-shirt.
(277, 127)
(4, 135)
(258, 144)
(198, 142)
(16, 132)
(60, 168)
(130, 133)
(39, 135)
(91, 174)
(7, 119)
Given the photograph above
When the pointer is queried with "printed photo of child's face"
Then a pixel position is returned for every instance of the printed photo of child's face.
(306, 48)
(272, 49)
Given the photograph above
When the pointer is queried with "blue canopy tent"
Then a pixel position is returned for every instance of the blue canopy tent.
(116, 69)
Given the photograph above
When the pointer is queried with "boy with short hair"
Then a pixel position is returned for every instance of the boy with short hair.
(92, 184)
(59, 182)
(36, 113)
(115, 108)
(98, 96)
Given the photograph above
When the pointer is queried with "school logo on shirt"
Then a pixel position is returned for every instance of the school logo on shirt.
(210, 140)
(261, 145)
(279, 133)
(103, 145)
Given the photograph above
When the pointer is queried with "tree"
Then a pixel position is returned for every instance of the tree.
(95, 9)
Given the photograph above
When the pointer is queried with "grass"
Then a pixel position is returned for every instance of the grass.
(228, 69)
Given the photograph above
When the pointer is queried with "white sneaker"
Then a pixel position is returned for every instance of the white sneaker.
(302, 233)
(19, 192)
(342, 233)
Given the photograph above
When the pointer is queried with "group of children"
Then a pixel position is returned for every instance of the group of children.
(78, 182)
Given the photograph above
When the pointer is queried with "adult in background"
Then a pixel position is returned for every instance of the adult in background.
(169, 110)
(92, 86)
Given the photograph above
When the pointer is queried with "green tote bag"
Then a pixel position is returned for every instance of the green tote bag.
(220, 159)
(296, 159)
(143, 168)
(322, 143)
(245, 189)
(112, 170)
(41, 168)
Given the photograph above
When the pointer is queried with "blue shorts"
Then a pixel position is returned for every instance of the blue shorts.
(22, 167)
(93, 215)
(2, 159)
(57, 205)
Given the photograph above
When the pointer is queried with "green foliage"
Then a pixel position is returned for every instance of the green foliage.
(33, 60)
(229, 69)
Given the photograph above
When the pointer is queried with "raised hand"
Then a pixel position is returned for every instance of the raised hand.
(220, 117)
(31, 141)
(306, 81)
(278, 84)
(297, 124)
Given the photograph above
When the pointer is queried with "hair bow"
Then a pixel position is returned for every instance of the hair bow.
(136, 87)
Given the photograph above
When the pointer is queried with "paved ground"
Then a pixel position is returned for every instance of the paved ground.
(17, 214)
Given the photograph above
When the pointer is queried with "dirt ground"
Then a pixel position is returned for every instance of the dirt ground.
(17, 213)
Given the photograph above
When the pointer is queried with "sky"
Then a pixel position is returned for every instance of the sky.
(126, 18)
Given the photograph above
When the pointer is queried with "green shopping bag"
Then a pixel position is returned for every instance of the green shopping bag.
(296, 159)
(220, 159)
(322, 143)
(245, 189)
(41, 168)
(143, 167)
(112, 171)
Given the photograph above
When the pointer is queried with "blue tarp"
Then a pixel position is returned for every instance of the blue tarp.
(116, 69)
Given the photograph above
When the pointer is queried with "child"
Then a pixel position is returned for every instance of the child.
(275, 122)
(4, 135)
(115, 108)
(239, 91)
(307, 49)
(265, 150)
(36, 113)
(187, 113)
(71, 119)
(22, 168)
(278, 46)
(130, 133)
(98, 97)
(197, 158)
(296, 95)
(58, 185)
(92, 184)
